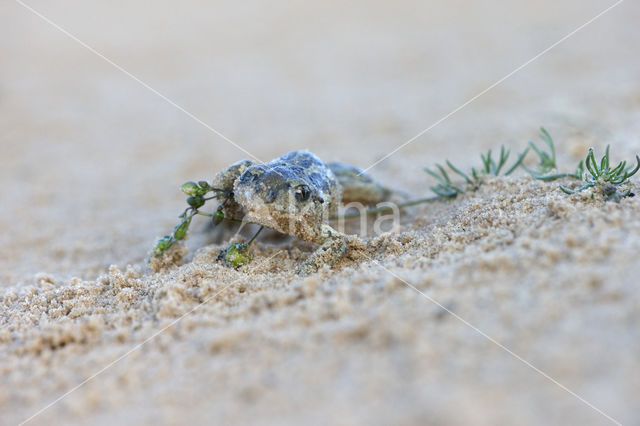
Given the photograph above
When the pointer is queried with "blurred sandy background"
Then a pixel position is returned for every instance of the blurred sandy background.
(91, 161)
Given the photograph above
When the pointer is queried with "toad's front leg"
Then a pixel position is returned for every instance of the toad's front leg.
(333, 247)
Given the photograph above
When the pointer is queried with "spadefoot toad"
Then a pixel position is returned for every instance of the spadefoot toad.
(296, 194)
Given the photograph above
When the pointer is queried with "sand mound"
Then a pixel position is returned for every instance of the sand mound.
(517, 259)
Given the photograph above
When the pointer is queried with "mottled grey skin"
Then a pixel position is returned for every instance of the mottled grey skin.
(358, 186)
(295, 194)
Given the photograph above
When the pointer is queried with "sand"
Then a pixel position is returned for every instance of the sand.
(415, 325)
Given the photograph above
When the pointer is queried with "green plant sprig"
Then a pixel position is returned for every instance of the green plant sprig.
(490, 167)
(547, 161)
(196, 198)
(607, 178)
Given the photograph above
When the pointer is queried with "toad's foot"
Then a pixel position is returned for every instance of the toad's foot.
(333, 248)
(328, 253)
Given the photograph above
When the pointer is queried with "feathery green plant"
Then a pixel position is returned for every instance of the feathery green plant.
(196, 198)
(490, 167)
(606, 178)
(236, 254)
(547, 161)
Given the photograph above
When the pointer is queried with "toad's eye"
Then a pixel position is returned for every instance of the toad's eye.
(302, 193)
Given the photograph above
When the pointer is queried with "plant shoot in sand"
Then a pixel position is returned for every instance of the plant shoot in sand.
(445, 187)
(546, 168)
(599, 175)
(607, 179)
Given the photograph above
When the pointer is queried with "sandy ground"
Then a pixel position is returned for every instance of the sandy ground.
(91, 161)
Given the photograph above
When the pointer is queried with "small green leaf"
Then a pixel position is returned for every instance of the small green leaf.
(460, 173)
(196, 201)
(635, 169)
(190, 188)
(218, 217)
(443, 173)
(590, 162)
(162, 245)
(567, 190)
(517, 163)
(236, 255)
(180, 231)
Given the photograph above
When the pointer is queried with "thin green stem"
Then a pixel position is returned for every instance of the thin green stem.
(255, 235)
(552, 177)
(460, 173)
(386, 209)
(228, 219)
(518, 162)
